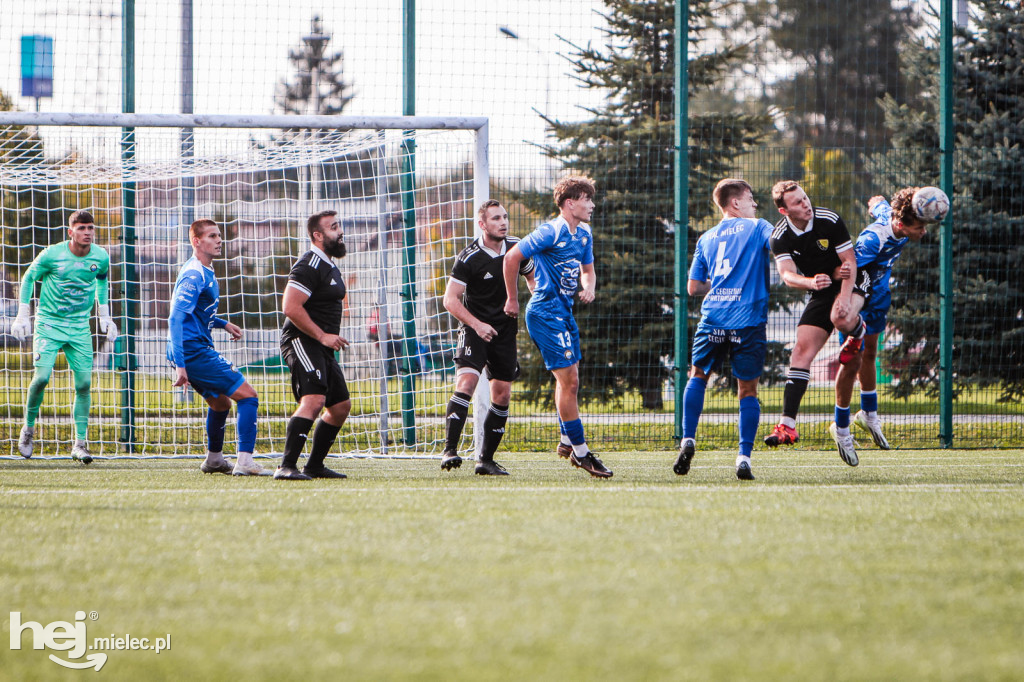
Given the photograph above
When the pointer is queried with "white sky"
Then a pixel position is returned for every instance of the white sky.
(464, 64)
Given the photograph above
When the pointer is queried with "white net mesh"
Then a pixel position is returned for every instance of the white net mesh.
(260, 185)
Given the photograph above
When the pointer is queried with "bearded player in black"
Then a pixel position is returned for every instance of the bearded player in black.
(475, 296)
(813, 251)
(313, 303)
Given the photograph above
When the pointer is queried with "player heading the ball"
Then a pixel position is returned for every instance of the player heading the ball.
(878, 248)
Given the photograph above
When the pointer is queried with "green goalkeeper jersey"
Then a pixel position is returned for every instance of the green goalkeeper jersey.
(70, 284)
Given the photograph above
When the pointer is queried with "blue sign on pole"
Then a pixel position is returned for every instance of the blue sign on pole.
(36, 66)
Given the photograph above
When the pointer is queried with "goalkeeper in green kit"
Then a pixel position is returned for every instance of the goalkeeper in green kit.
(73, 274)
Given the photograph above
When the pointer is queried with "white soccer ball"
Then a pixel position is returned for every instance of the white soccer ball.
(930, 204)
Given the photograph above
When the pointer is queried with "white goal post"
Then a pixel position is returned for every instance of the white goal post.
(406, 189)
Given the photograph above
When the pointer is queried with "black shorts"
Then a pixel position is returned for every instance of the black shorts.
(818, 312)
(498, 355)
(315, 370)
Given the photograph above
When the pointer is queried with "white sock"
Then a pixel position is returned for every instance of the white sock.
(872, 416)
(564, 440)
(214, 456)
(740, 459)
(788, 421)
(244, 459)
(581, 450)
(842, 431)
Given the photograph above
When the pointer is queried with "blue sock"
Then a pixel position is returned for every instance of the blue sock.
(693, 405)
(869, 401)
(246, 424)
(574, 430)
(843, 417)
(750, 418)
(215, 429)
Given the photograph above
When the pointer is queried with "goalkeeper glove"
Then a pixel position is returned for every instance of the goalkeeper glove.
(21, 328)
(107, 325)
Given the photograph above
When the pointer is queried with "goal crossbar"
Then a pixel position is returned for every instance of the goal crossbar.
(478, 124)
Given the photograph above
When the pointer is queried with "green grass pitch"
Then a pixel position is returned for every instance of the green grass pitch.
(910, 566)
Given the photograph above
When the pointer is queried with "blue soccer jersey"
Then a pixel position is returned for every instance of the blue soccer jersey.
(877, 250)
(193, 312)
(557, 253)
(734, 257)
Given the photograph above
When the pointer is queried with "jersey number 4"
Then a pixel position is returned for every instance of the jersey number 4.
(722, 265)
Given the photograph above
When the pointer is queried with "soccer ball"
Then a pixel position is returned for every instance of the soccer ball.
(930, 204)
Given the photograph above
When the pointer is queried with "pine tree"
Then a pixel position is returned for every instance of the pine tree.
(988, 207)
(318, 85)
(627, 148)
(844, 57)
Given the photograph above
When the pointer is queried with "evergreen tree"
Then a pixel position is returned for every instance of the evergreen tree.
(844, 57)
(318, 85)
(628, 150)
(988, 207)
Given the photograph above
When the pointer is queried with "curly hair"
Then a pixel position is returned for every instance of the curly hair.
(903, 206)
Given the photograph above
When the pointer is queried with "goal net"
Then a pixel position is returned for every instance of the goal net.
(404, 188)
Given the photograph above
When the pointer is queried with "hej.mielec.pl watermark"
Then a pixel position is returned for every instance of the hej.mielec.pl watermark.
(72, 638)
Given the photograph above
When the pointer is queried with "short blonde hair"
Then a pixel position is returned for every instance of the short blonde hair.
(199, 228)
(728, 188)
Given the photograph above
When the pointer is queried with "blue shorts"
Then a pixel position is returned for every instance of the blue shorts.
(746, 347)
(211, 375)
(556, 336)
(875, 320)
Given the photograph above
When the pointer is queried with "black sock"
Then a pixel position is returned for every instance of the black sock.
(458, 411)
(295, 440)
(858, 331)
(494, 430)
(323, 438)
(796, 386)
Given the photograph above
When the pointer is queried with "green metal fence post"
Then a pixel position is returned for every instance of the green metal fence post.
(682, 212)
(946, 252)
(131, 272)
(408, 184)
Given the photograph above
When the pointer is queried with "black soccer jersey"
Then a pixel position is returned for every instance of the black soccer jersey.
(816, 250)
(479, 269)
(318, 277)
